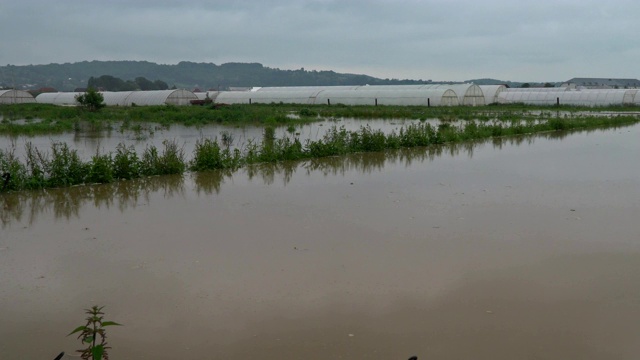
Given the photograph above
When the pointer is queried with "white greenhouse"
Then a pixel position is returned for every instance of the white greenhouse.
(491, 93)
(125, 98)
(583, 97)
(15, 97)
(161, 97)
(307, 88)
(468, 94)
(304, 96)
(58, 98)
(430, 97)
(539, 89)
(407, 95)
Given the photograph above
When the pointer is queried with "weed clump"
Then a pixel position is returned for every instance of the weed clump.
(208, 155)
(171, 161)
(126, 164)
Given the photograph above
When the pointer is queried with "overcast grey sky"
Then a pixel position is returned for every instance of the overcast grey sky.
(541, 40)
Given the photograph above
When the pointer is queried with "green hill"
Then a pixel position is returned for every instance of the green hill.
(513, 84)
(189, 75)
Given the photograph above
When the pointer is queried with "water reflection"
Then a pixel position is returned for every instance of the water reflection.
(529, 139)
(66, 203)
(87, 138)
(210, 182)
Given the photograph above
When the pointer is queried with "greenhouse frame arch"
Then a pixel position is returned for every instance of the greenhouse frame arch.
(15, 97)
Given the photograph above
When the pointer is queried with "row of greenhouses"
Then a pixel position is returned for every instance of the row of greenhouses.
(428, 95)
(400, 95)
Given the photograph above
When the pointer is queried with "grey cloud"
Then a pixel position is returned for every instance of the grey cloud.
(456, 40)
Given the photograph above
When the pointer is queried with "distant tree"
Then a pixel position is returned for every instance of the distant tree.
(130, 85)
(145, 84)
(111, 83)
(161, 85)
(525, 85)
(547, 85)
(91, 100)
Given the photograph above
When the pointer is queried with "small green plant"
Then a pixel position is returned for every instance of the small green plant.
(89, 333)
(307, 112)
(227, 138)
(269, 134)
(126, 164)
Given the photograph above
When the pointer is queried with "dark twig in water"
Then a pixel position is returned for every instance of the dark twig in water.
(6, 176)
(59, 356)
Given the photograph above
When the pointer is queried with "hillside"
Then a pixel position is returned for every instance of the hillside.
(513, 84)
(189, 75)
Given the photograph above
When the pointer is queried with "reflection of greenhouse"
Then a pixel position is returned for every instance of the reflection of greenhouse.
(15, 97)
(401, 95)
(124, 98)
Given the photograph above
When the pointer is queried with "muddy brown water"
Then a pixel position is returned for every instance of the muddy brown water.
(524, 248)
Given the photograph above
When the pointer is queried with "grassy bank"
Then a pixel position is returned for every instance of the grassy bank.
(61, 166)
(44, 118)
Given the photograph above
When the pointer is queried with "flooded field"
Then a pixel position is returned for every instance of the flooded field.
(88, 140)
(521, 248)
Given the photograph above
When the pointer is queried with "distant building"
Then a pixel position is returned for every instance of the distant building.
(603, 83)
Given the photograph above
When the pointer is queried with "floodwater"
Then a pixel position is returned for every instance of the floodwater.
(91, 139)
(524, 248)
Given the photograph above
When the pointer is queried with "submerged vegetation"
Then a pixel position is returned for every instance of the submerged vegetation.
(63, 167)
(68, 202)
(44, 118)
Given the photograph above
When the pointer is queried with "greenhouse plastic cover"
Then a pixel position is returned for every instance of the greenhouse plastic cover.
(15, 97)
(124, 98)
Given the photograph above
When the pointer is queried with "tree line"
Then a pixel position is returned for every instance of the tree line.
(112, 83)
(186, 75)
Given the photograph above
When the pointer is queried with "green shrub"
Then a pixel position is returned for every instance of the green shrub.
(208, 155)
(172, 160)
(126, 164)
(65, 167)
(100, 169)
